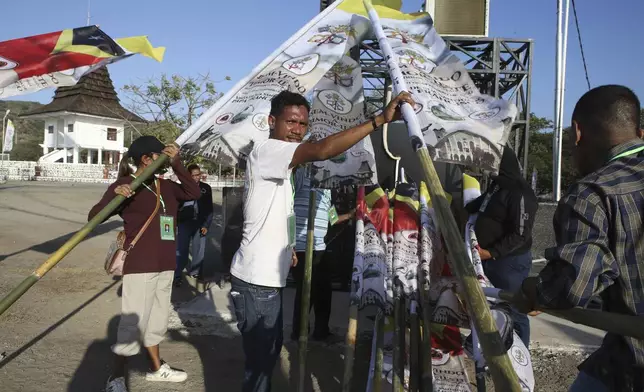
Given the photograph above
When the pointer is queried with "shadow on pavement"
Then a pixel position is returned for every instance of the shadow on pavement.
(52, 328)
(49, 247)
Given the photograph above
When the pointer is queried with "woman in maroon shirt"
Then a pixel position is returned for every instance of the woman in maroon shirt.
(149, 266)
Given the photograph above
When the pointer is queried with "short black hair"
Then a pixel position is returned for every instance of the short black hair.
(287, 98)
(610, 110)
(193, 167)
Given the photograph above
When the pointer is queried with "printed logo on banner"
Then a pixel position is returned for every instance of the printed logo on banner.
(6, 64)
(335, 101)
(260, 121)
(334, 35)
(224, 118)
(410, 57)
(340, 73)
(303, 64)
(404, 36)
(241, 116)
(485, 114)
(445, 114)
(519, 356)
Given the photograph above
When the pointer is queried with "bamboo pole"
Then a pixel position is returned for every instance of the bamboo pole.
(67, 247)
(505, 379)
(350, 348)
(414, 349)
(399, 340)
(306, 293)
(380, 355)
(617, 323)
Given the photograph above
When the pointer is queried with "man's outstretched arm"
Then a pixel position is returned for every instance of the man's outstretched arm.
(340, 142)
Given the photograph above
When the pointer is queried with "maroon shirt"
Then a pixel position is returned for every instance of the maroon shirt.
(150, 254)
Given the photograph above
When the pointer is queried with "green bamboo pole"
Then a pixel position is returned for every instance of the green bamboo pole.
(505, 379)
(350, 348)
(427, 379)
(306, 293)
(76, 239)
(620, 324)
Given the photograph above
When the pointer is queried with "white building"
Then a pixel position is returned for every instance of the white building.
(84, 123)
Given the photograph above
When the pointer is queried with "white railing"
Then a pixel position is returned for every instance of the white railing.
(80, 172)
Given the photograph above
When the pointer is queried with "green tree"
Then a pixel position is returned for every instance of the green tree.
(172, 104)
(540, 155)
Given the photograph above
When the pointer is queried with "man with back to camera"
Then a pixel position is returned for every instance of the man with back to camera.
(599, 227)
(266, 253)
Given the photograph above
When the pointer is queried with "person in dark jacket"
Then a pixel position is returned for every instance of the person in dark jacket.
(195, 218)
(504, 230)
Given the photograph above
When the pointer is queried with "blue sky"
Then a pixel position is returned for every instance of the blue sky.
(228, 38)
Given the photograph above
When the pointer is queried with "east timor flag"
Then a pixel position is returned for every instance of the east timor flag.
(47, 53)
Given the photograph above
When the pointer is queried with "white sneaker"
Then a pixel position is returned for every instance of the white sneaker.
(116, 385)
(166, 373)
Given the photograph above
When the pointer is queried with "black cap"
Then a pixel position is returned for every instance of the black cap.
(145, 145)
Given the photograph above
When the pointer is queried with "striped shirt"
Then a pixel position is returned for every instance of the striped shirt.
(322, 207)
(599, 227)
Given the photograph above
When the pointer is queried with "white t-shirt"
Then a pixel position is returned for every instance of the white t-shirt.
(264, 256)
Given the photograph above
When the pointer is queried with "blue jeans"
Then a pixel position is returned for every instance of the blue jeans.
(508, 273)
(586, 383)
(259, 319)
(187, 232)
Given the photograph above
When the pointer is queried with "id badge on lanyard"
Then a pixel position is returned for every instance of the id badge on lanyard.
(167, 227)
(333, 215)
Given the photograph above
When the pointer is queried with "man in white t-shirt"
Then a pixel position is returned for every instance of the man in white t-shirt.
(266, 253)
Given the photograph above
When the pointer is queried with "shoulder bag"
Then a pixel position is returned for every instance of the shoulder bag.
(115, 260)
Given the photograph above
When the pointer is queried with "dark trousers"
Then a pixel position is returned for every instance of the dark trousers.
(259, 319)
(508, 273)
(321, 294)
(189, 231)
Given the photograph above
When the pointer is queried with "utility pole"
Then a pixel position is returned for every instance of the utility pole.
(560, 81)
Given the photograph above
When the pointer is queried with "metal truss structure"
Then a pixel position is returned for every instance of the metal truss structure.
(499, 67)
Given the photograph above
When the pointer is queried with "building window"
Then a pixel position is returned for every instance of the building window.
(70, 128)
(50, 129)
(111, 134)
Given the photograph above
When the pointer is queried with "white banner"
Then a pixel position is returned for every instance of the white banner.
(226, 133)
(458, 123)
(338, 104)
(7, 144)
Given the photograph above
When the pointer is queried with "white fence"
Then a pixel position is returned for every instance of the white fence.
(73, 172)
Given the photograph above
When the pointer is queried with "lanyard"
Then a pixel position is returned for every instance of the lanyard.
(627, 153)
(150, 189)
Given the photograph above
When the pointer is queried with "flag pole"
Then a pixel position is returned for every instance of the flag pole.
(306, 293)
(352, 328)
(505, 379)
(76, 239)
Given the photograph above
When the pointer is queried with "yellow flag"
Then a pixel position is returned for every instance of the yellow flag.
(389, 9)
(141, 45)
